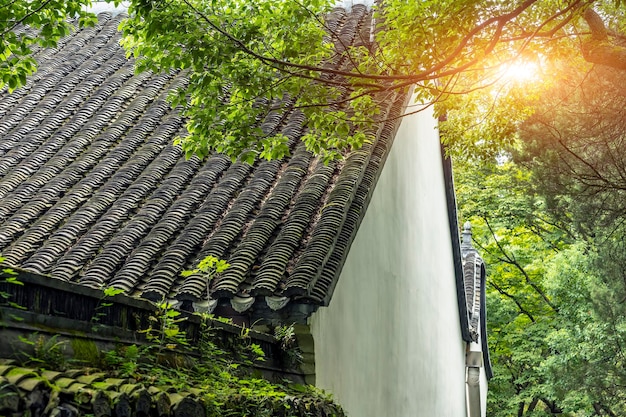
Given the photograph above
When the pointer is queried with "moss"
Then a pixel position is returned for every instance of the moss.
(85, 350)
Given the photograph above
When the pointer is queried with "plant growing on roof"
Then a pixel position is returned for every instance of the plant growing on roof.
(228, 388)
(9, 276)
(210, 266)
(47, 352)
(161, 356)
(102, 305)
(289, 344)
(164, 332)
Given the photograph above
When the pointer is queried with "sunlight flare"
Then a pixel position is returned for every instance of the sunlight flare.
(519, 71)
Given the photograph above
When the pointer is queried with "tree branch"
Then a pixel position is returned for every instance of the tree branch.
(512, 297)
(598, 50)
(596, 25)
(428, 74)
(32, 12)
(510, 259)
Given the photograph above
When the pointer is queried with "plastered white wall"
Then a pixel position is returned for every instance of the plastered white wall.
(389, 344)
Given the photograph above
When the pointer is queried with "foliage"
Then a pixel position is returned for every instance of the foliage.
(550, 213)
(167, 358)
(247, 59)
(572, 147)
(8, 276)
(209, 266)
(160, 359)
(228, 389)
(47, 352)
(575, 145)
(222, 385)
(555, 298)
(286, 335)
(518, 247)
(585, 367)
(51, 19)
(244, 60)
(103, 304)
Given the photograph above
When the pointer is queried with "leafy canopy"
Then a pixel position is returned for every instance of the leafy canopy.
(247, 59)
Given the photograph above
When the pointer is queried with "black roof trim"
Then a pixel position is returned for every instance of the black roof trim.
(456, 245)
(483, 322)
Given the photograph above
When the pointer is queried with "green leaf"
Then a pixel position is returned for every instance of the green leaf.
(171, 332)
(112, 291)
(12, 280)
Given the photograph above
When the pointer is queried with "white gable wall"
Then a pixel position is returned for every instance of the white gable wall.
(389, 344)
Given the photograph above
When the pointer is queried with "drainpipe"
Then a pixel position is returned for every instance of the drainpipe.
(473, 365)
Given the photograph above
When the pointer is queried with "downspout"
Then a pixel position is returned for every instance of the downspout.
(473, 365)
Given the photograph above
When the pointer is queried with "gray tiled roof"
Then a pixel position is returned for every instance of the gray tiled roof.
(92, 190)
